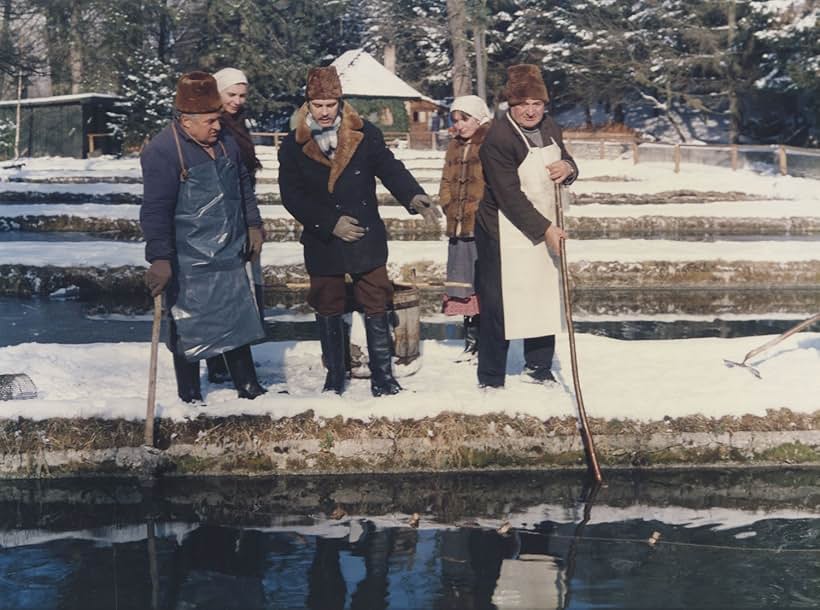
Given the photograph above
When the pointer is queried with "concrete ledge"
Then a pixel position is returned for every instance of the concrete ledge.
(260, 445)
(404, 229)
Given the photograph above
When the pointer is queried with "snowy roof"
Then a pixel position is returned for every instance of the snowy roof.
(60, 99)
(362, 75)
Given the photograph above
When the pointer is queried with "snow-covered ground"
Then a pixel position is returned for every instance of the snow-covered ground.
(643, 379)
(115, 254)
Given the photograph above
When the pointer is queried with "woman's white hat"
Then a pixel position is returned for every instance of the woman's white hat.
(229, 76)
(472, 105)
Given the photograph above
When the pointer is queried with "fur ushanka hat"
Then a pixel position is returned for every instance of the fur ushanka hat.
(524, 82)
(323, 84)
(197, 93)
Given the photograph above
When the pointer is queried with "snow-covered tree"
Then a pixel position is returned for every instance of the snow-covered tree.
(148, 92)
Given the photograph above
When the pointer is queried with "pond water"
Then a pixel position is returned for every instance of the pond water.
(69, 321)
(718, 539)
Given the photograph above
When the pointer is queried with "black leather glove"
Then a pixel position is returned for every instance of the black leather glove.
(256, 237)
(347, 229)
(422, 204)
(158, 276)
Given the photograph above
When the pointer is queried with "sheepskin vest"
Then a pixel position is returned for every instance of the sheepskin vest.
(462, 184)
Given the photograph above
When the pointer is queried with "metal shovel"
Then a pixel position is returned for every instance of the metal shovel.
(772, 343)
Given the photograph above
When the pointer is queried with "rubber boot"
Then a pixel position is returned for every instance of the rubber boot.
(217, 370)
(243, 373)
(332, 336)
(380, 352)
(187, 374)
(471, 325)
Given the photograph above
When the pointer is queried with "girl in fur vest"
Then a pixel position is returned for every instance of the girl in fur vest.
(462, 186)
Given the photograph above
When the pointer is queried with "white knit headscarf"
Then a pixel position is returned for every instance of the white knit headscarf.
(474, 106)
(229, 76)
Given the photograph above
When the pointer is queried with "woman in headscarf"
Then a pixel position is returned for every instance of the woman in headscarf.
(233, 90)
(462, 186)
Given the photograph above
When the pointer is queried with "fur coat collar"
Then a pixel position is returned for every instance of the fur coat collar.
(350, 136)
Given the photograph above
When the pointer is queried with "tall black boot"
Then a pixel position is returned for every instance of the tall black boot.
(471, 326)
(217, 369)
(243, 373)
(187, 374)
(332, 336)
(379, 353)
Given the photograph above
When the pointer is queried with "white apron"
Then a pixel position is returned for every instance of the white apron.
(530, 275)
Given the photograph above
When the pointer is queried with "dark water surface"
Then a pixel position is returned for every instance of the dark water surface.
(67, 321)
(717, 539)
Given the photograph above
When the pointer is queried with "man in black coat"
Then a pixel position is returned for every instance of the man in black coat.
(328, 167)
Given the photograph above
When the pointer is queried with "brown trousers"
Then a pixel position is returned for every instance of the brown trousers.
(372, 290)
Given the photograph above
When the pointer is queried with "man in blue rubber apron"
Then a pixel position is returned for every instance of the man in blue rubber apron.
(201, 226)
(518, 272)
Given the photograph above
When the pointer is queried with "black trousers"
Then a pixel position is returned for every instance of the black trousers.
(492, 346)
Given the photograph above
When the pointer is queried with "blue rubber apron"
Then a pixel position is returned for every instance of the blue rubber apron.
(212, 300)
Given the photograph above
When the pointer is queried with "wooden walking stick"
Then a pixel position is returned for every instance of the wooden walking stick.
(583, 424)
(152, 372)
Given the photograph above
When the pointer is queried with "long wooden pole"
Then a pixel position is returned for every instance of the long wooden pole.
(583, 423)
(17, 122)
(152, 372)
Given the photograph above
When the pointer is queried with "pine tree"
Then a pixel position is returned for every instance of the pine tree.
(148, 92)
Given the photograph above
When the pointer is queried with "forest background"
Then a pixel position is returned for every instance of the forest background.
(753, 67)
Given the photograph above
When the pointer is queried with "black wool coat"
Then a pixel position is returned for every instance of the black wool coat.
(317, 191)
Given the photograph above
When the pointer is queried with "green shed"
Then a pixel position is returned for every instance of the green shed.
(62, 125)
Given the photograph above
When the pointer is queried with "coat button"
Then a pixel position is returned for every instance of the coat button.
(364, 202)
(338, 207)
(357, 172)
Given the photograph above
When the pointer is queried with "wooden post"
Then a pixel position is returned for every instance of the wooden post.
(276, 140)
(152, 373)
(677, 158)
(90, 143)
(433, 140)
(603, 150)
(17, 129)
(634, 152)
(734, 157)
(784, 163)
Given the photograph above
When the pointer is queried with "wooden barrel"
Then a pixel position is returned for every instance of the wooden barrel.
(406, 325)
(406, 333)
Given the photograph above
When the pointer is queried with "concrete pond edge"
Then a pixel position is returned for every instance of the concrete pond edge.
(248, 446)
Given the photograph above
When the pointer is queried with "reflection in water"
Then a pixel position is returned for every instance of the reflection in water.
(268, 544)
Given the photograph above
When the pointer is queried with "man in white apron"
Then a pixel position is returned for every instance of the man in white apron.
(518, 271)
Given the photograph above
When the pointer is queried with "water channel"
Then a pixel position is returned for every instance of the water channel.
(678, 539)
(69, 321)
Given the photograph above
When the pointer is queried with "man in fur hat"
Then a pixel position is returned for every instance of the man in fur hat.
(327, 177)
(201, 225)
(519, 283)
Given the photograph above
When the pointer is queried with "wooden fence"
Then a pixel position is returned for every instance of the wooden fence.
(588, 145)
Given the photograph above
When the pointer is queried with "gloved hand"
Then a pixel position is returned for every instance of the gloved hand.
(158, 276)
(422, 204)
(347, 229)
(256, 237)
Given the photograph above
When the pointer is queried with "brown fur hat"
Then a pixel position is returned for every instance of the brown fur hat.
(323, 84)
(524, 82)
(197, 93)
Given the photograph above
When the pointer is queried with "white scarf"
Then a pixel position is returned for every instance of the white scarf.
(326, 137)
